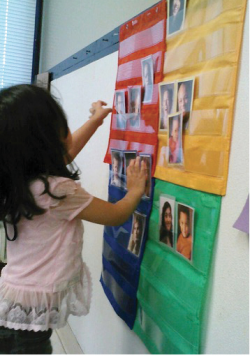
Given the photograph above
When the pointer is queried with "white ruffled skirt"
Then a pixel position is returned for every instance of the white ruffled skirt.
(38, 311)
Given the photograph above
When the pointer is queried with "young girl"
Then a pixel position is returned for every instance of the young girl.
(42, 205)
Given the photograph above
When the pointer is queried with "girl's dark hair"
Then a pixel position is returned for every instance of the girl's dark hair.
(163, 231)
(33, 128)
(164, 208)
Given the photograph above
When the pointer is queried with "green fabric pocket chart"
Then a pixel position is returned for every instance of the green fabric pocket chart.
(172, 288)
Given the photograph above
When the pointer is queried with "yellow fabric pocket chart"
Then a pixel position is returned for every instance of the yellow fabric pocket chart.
(204, 54)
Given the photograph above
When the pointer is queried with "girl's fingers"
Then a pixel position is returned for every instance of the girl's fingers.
(103, 103)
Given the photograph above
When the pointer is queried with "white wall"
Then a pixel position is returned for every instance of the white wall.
(71, 25)
(102, 332)
(228, 322)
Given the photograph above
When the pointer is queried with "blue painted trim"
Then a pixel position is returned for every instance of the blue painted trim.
(95, 51)
(104, 46)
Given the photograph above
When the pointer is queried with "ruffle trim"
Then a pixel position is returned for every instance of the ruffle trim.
(38, 311)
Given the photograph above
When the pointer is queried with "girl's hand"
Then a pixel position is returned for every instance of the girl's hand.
(98, 111)
(136, 177)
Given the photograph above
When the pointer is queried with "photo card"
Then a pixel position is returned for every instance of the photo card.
(117, 165)
(147, 65)
(167, 220)
(137, 233)
(185, 232)
(120, 107)
(176, 16)
(184, 99)
(128, 156)
(167, 103)
(175, 152)
(134, 106)
(148, 161)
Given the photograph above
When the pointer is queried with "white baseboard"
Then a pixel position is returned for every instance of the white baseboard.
(68, 340)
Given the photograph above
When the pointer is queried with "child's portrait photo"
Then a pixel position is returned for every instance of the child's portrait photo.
(134, 106)
(175, 139)
(120, 110)
(148, 161)
(167, 103)
(117, 163)
(147, 65)
(185, 90)
(176, 16)
(128, 156)
(166, 220)
(137, 232)
(185, 234)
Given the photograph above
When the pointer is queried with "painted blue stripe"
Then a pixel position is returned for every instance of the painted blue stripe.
(102, 47)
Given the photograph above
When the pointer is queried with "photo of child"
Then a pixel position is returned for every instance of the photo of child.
(166, 220)
(116, 173)
(120, 110)
(176, 15)
(175, 139)
(167, 105)
(185, 90)
(147, 65)
(137, 232)
(185, 230)
(148, 161)
(134, 106)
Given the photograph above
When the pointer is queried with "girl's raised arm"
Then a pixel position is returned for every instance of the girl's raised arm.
(105, 213)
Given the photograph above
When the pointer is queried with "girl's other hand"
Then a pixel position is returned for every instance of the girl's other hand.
(136, 176)
(98, 111)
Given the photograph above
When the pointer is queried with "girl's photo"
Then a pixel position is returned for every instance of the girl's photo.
(166, 220)
(147, 65)
(137, 232)
(42, 205)
(167, 103)
(147, 160)
(117, 165)
(185, 234)
(176, 16)
(175, 139)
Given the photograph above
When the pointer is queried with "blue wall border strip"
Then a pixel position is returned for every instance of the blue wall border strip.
(104, 46)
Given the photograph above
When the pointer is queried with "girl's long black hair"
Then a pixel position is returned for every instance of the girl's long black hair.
(33, 128)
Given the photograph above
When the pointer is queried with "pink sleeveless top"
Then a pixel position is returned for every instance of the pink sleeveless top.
(45, 279)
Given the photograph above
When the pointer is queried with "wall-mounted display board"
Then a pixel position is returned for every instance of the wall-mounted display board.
(176, 241)
(200, 72)
(134, 122)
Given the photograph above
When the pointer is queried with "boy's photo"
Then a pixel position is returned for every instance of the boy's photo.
(116, 173)
(134, 106)
(120, 108)
(166, 220)
(128, 156)
(137, 232)
(185, 91)
(185, 234)
(167, 103)
(176, 16)
(148, 161)
(147, 65)
(175, 139)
